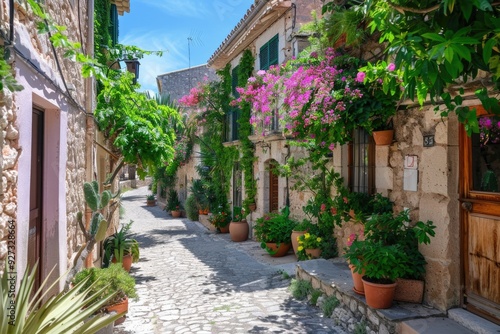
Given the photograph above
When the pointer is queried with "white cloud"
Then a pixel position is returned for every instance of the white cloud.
(186, 8)
(174, 55)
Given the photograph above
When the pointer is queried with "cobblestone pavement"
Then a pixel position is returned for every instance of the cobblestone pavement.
(190, 280)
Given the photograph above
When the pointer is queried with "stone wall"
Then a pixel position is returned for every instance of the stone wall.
(179, 83)
(10, 154)
(64, 103)
(435, 199)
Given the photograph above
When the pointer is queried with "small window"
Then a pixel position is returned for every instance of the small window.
(269, 53)
(113, 29)
(361, 162)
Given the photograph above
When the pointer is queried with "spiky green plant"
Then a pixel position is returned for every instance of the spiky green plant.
(25, 311)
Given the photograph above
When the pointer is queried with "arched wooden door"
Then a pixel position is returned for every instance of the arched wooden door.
(273, 188)
(480, 217)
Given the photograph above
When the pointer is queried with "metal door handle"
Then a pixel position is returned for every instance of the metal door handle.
(467, 206)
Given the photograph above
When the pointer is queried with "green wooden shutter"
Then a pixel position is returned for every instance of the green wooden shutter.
(113, 29)
(269, 53)
(264, 57)
(234, 81)
(273, 51)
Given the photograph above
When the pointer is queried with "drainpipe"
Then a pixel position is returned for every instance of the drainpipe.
(90, 127)
(287, 188)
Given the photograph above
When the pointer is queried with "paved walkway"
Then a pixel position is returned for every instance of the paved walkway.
(190, 280)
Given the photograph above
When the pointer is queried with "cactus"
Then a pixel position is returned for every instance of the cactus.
(101, 231)
(105, 197)
(92, 195)
(94, 225)
(98, 224)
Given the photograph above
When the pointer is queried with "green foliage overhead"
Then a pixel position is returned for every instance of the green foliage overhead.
(440, 45)
(139, 127)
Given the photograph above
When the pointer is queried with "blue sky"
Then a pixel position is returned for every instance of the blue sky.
(167, 24)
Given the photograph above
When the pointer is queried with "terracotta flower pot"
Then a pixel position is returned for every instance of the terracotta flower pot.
(278, 251)
(383, 137)
(151, 202)
(379, 295)
(409, 290)
(121, 307)
(175, 213)
(239, 231)
(126, 262)
(295, 242)
(224, 229)
(358, 282)
(252, 207)
(313, 253)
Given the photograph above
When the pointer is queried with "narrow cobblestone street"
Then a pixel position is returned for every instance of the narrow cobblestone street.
(190, 280)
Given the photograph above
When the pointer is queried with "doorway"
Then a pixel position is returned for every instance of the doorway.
(36, 193)
(480, 217)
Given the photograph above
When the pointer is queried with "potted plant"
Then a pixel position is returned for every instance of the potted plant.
(238, 228)
(382, 265)
(199, 191)
(173, 203)
(310, 245)
(150, 200)
(102, 282)
(389, 251)
(356, 276)
(221, 221)
(298, 230)
(273, 230)
(120, 248)
(398, 229)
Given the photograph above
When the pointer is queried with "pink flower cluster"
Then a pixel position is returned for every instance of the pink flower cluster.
(308, 98)
(193, 98)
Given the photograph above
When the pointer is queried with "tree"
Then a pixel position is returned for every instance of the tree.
(440, 46)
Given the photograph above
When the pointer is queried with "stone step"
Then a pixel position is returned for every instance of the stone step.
(333, 277)
(432, 326)
(473, 322)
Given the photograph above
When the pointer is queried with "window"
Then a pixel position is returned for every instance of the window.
(361, 162)
(269, 53)
(113, 28)
(231, 126)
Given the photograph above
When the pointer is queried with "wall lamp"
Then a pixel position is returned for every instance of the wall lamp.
(132, 67)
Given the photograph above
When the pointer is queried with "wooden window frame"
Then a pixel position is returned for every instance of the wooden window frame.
(369, 167)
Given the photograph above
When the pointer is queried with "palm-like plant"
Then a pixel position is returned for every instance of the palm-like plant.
(67, 312)
(119, 244)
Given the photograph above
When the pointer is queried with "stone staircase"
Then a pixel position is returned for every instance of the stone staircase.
(333, 277)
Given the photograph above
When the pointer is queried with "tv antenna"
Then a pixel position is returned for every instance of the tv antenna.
(193, 38)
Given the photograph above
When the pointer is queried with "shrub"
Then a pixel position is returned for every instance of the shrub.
(192, 208)
(300, 289)
(329, 304)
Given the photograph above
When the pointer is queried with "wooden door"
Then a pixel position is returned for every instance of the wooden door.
(273, 189)
(480, 217)
(36, 192)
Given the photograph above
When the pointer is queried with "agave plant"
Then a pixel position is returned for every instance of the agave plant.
(28, 311)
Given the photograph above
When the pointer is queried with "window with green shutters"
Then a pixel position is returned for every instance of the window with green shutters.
(269, 53)
(113, 28)
(232, 116)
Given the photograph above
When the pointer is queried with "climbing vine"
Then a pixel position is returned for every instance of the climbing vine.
(247, 147)
(440, 46)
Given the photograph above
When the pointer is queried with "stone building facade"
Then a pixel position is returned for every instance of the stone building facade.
(176, 84)
(461, 266)
(48, 133)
